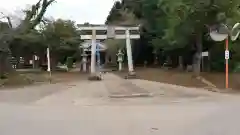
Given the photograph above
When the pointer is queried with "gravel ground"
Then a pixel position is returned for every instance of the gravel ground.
(99, 93)
(84, 107)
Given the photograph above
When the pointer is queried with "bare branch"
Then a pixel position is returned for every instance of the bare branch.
(32, 12)
(3, 15)
(9, 22)
(39, 17)
(34, 15)
(8, 19)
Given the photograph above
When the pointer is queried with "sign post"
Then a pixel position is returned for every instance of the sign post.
(221, 33)
(226, 64)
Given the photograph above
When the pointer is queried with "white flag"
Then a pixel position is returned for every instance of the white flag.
(48, 60)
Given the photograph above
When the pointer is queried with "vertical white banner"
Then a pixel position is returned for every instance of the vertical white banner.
(48, 60)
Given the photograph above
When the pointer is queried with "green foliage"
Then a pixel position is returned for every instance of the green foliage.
(61, 34)
(237, 68)
(172, 25)
(114, 12)
(167, 25)
(62, 37)
(3, 26)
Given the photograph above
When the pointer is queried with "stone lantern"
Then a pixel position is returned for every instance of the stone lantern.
(84, 61)
(120, 59)
(84, 58)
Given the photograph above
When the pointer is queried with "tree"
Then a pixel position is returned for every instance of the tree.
(191, 18)
(171, 26)
(63, 38)
(33, 17)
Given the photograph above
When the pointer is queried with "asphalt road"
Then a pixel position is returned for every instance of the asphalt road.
(197, 118)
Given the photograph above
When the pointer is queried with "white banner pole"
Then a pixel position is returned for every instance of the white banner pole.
(49, 64)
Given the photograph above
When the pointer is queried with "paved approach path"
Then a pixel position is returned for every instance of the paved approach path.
(84, 107)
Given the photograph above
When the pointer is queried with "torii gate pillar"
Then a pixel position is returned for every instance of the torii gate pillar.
(131, 73)
(93, 54)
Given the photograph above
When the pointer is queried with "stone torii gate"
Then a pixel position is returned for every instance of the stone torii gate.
(113, 32)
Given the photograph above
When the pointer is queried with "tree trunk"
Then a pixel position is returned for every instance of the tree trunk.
(197, 56)
(53, 60)
(2, 65)
(180, 62)
(5, 65)
(18, 65)
(156, 59)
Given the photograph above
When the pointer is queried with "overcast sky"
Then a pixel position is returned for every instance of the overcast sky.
(81, 11)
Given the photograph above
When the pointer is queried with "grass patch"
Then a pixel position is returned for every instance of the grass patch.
(22, 78)
(14, 80)
(185, 78)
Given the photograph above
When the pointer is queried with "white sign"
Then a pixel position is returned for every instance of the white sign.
(226, 54)
(204, 54)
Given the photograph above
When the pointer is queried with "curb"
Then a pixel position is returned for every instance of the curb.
(212, 89)
(132, 95)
